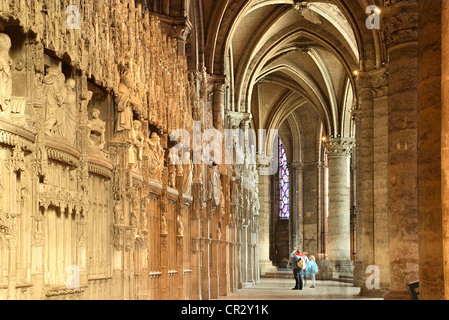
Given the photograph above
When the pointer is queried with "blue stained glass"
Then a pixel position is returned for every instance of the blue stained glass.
(284, 179)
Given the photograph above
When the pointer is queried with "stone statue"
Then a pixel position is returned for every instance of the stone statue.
(55, 95)
(180, 228)
(97, 129)
(5, 74)
(188, 177)
(85, 99)
(72, 112)
(118, 214)
(155, 154)
(171, 174)
(219, 230)
(138, 141)
(124, 102)
(135, 217)
(164, 225)
(222, 202)
(144, 221)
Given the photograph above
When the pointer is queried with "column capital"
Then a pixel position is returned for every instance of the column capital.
(263, 161)
(400, 22)
(236, 119)
(373, 84)
(337, 147)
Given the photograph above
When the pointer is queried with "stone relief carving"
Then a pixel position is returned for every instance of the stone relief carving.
(138, 140)
(188, 177)
(400, 22)
(215, 190)
(55, 95)
(124, 102)
(171, 173)
(155, 153)
(61, 108)
(164, 225)
(5, 74)
(97, 130)
(180, 228)
(119, 216)
(72, 112)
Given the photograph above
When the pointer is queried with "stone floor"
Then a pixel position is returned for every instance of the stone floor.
(281, 289)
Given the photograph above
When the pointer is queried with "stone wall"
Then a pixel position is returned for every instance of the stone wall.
(92, 206)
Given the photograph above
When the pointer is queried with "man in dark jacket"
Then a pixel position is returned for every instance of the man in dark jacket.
(296, 256)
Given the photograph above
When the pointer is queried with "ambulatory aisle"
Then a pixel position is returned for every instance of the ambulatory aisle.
(281, 289)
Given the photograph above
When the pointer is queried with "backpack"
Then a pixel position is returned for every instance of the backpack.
(300, 263)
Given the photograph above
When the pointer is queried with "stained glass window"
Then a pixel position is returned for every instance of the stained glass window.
(284, 184)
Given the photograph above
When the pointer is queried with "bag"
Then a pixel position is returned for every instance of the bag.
(300, 263)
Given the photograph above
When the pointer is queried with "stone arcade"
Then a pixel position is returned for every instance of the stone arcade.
(93, 94)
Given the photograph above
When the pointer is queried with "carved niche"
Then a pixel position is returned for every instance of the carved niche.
(97, 130)
(5, 74)
(55, 95)
(155, 153)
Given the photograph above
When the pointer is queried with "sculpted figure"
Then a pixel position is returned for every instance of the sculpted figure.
(180, 228)
(72, 112)
(144, 221)
(85, 99)
(135, 217)
(55, 94)
(124, 102)
(188, 177)
(155, 154)
(164, 230)
(5, 73)
(118, 214)
(138, 140)
(171, 174)
(97, 129)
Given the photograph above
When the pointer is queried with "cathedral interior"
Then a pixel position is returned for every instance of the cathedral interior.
(182, 149)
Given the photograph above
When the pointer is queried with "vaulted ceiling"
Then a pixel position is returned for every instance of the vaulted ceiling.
(283, 55)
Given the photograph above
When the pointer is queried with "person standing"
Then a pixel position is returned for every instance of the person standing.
(304, 272)
(312, 269)
(296, 257)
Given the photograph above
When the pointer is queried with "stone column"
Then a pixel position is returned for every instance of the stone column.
(205, 248)
(325, 222)
(179, 251)
(163, 284)
(219, 103)
(292, 230)
(431, 263)
(339, 154)
(445, 141)
(401, 31)
(321, 210)
(298, 210)
(358, 266)
(372, 180)
(264, 220)
(214, 257)
(195, 227)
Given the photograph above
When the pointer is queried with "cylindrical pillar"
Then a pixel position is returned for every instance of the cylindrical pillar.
(445, 141)
(339, 155)
(401, 26)
(297, 215)
(431, 267)
(265, 263)
(219, 104)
